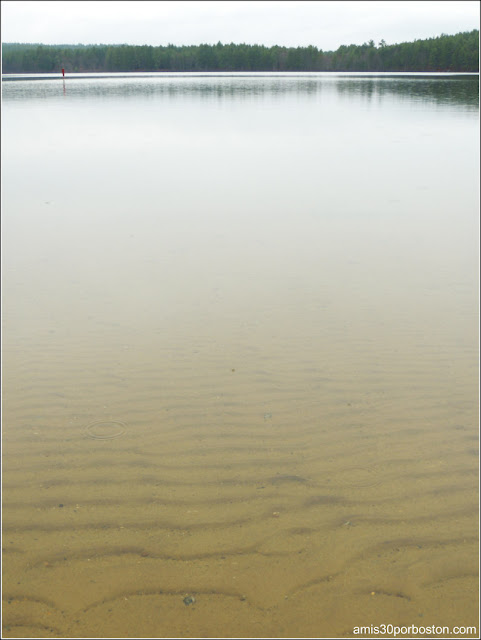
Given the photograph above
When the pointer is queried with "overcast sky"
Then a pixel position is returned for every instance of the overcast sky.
(324, 24)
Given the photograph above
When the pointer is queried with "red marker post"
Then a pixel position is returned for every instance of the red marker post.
(63, 73)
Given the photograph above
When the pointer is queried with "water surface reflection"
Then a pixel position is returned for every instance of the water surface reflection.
(459, 90)
(239, 355)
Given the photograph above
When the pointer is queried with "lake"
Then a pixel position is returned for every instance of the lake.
(240, 354)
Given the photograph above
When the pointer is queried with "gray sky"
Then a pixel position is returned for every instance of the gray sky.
(324, 24)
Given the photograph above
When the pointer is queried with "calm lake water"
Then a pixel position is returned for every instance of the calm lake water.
(240, 355)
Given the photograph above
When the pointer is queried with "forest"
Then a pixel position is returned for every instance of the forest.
(458, 52)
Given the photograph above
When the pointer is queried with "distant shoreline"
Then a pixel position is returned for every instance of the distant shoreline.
(245, 74)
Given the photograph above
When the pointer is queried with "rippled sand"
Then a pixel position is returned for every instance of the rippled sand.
(290, 496)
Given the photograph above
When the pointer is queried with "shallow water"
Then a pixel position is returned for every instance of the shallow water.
(239, 355)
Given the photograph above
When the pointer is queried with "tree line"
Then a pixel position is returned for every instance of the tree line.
(458, 52)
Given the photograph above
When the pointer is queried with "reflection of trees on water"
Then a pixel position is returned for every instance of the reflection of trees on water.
(178, 87)
(459, 91)
(453, 90)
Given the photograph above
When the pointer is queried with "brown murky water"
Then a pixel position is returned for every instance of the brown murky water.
(239, 358)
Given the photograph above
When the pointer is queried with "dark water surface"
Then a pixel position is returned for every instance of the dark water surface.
(240, 349)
